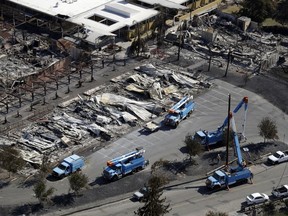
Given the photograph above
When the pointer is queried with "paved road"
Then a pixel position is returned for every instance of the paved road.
(210, 112)
(193, 197)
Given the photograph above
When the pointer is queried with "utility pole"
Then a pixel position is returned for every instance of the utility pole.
(228, 62)
(210, 57)
(180, 41)
(114, 53)
(138, 35)
(228, 129)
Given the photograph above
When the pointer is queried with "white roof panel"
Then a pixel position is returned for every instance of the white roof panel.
(136, 14)
(167, 3)
(64, 7)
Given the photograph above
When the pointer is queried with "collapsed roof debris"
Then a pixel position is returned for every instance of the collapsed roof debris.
(23, 55)
(220, 35)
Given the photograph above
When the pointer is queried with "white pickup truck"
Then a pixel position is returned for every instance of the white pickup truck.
(278, 157)
(280, 191)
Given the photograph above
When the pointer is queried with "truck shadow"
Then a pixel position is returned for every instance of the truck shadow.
(52, 178)
(266, 163)
(144, 132)
(98, 181)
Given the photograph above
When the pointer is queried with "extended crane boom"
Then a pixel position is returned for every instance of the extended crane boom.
(244, 102)
(240, 161)
(210, 138)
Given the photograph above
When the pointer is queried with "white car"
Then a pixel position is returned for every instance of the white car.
(256, 198)
(141, 194)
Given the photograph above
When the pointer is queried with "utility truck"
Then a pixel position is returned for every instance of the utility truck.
(278, 157)
(209, 138)
(125, 164)
(69, 165)
(281, 191)
(180, 111)
(229, 176)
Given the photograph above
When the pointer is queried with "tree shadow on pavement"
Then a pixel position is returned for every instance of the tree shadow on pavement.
(4, 184)
(27, 209)
(63, 200)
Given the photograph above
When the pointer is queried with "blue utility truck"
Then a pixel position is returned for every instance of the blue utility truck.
(209, 138)
(225, 177)
(125, 164)
(69, 165)
(179, 111)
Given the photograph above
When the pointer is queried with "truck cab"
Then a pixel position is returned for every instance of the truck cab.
(113, 172)
(208, 138)
(62, 170)
(217, 180)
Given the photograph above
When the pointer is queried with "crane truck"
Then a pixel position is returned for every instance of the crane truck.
(125, 164)
(207, 138)
(179, 111)
(229, 176)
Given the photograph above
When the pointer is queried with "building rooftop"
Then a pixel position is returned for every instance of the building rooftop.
(99, 18)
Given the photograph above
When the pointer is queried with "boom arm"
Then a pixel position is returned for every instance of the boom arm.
(236, 142)
(244, 102)
(139, 151)
(176, 107)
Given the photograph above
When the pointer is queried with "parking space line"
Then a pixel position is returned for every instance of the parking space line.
(229, 91)
(104, 155)
(144, 140)
(209, 101)
(205, 107)
(121, 145)
(218, 98)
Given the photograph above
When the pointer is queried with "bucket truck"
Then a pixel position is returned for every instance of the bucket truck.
(125, 164)
(179, 111)
(225, 177)
(215, 137)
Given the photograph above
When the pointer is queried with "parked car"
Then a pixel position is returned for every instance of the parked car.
(256, 198)
(141, 194)
(281, 191)
(278, 157)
